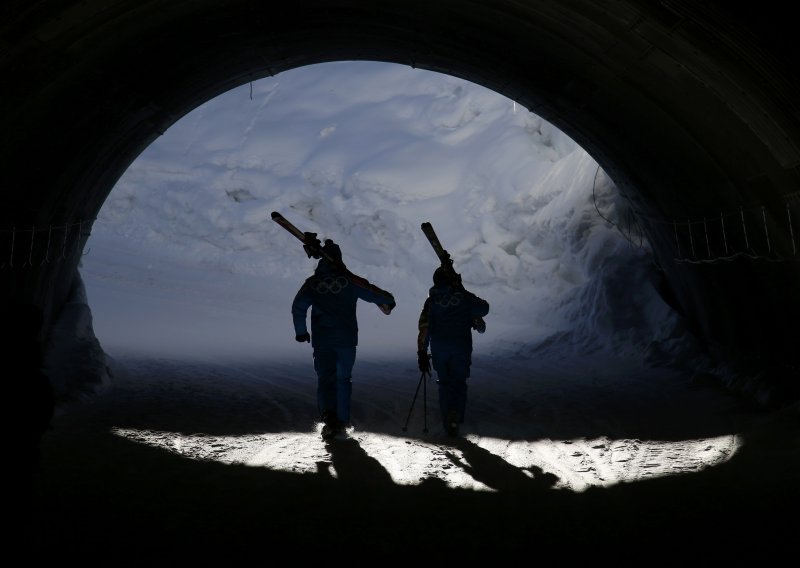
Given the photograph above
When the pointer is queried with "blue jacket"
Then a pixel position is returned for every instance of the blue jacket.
(332, 298)
(446, 318)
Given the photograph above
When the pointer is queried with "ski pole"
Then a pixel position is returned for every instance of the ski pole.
(416, 392)
(425, 405)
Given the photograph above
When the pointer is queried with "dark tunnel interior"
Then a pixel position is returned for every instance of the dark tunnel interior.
(693, 109)
(691, 112)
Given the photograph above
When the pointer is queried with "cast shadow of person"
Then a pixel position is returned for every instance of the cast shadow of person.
(495, 472)
(354, 466)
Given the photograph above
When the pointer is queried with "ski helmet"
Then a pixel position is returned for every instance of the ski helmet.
(332, 249)
(440, 277)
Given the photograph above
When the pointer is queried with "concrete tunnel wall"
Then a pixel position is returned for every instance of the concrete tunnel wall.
(691, 107)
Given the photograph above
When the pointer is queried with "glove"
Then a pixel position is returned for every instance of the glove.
(479, 325)
(423, 362)
(387, 308)
(303, 337)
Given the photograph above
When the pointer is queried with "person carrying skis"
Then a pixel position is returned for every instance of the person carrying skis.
(332, 297)
(449, 315)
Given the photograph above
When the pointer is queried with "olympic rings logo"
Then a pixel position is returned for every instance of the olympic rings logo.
(330, 284)
(448, 301)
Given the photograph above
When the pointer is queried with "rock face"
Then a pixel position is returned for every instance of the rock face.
(74, 360)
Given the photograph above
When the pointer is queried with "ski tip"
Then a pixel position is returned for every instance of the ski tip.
(425, 224)
(275, 215)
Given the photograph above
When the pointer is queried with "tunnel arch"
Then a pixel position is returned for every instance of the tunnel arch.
(689, 107)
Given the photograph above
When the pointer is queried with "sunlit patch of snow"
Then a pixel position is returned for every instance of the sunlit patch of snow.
(574, 465)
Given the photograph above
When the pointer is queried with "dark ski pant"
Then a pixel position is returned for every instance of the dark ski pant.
(452, 370)
(334, 367)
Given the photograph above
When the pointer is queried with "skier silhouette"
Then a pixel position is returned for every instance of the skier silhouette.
(332, 297)
(449, 315)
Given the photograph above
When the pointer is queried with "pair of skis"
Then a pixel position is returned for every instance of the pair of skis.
(313, 248)
(447, 266)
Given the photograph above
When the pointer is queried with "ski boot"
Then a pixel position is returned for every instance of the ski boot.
(331, 425)
(451, 425)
